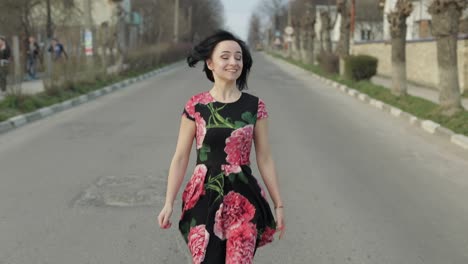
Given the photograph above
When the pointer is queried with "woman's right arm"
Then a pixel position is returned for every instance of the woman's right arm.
(177, 169)
(180, 159)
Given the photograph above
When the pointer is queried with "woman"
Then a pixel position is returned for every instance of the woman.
(225, 214)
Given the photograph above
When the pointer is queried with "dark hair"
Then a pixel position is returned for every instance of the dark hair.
(204, 50)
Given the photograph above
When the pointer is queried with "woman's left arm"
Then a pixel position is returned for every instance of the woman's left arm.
(267, 169)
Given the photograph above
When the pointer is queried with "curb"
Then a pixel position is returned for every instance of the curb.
(428, 126)
(21, 120)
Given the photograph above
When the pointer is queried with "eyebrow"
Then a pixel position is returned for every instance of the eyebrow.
(240, 52)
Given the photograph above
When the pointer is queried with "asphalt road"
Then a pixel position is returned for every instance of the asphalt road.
(86, 185)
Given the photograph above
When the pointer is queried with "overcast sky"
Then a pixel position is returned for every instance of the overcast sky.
(237, 14)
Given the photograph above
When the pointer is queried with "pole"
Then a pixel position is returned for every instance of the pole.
(176, 21)
(50, 34)
(89, 52)
(49, 21)
(353, 16)
(290, 43)
(190, 21)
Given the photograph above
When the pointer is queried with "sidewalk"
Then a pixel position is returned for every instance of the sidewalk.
(415, 90)
(30, 87)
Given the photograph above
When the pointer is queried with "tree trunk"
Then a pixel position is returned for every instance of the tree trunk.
(398, 28)
(445, 19)
(399, 85)
(343, 45)
(307, 36)
(345, 25)
(325, 38)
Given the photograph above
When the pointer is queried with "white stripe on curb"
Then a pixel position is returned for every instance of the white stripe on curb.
(83, 98)
(395, 111)
(18, 120)
(429, 126)
(97, 93)
(362, 97)
(379, 104)
(67, 104)
(47, 111)
(352, 92)
(460, 140)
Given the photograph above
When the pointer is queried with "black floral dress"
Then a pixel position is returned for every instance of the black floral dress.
(225, 214)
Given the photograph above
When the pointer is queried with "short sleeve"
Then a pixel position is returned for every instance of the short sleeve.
(189, 110)
(261, 112)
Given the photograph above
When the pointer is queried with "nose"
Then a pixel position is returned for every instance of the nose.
(233, 61)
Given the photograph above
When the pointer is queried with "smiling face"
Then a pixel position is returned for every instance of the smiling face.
(226, 61)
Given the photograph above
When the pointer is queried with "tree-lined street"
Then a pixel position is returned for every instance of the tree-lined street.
(85, 185)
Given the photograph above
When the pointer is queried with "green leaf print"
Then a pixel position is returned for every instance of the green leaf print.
(239, 124)
(249, 117)
(216, 120)
(232, 177)
(242, 178)
(204, 152)
(216, 184)
(193, 222)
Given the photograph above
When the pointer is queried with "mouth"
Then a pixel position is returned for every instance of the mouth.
(233, 71)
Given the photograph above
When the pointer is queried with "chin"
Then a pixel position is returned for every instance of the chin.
(231, 78)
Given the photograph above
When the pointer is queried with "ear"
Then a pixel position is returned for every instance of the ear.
(209, 63)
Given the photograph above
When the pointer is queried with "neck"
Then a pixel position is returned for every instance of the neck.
(226, 91)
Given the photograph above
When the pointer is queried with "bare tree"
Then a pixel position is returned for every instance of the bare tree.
(254, 38)
(18, 14)
(397, 21)
(275, 9)
(326, 27)
(307, 34)
(445, 23)
(344, 9)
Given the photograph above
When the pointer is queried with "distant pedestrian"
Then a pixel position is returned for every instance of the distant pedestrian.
(32, 53)
(5, 57)
(58, 51)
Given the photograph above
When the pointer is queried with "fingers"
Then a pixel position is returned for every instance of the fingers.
(166, 222)
(282, 228)
(163, 219)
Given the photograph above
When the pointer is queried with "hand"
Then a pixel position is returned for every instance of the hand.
(165, 216)
(280, 225)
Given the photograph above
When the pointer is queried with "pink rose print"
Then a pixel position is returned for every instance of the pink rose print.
(201, 129)
(201, 98)
(261, 112)
(194, 188)
(241, 245)
(232, 213)
(228, 169)
(238, 145)
(267, 236)
(218, 227)
(198, 239)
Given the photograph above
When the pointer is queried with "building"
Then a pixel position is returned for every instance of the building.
(368, 24)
